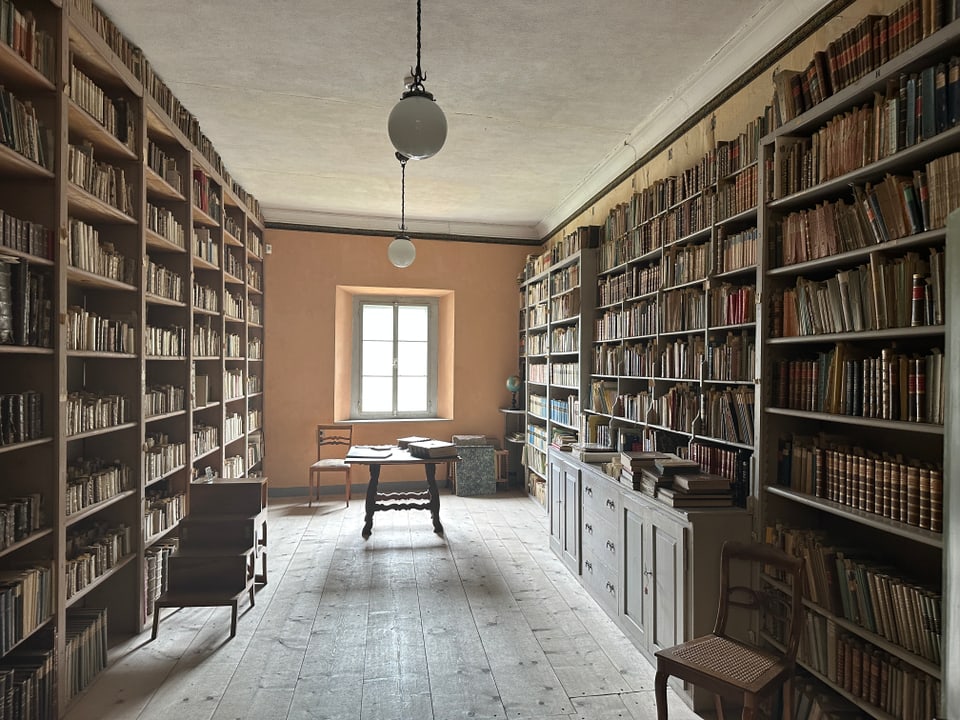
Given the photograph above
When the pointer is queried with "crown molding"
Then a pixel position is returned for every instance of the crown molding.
(432, 229)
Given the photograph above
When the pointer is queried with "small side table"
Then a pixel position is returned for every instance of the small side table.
(513, 440)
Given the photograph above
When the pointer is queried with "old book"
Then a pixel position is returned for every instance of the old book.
(432, 449)
(403, 442)
(675, 465)
(701, 483)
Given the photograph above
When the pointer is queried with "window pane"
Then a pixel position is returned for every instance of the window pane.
(413, 322)
(412, 358)
(377, 394)
(377, 358)
(378, 322)
(412, 394)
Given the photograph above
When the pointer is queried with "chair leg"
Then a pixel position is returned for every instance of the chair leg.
(347, 482)
(788, 699)
(310, 490)
(660, 690)
(718, 706)
(749, 707)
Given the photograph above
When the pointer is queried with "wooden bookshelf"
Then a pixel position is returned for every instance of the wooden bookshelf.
(134, 246)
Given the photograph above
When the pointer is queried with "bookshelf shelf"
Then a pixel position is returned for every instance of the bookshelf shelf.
(199, 262)
(888, 334)
(101, 431)
(89, 279)
(34, 259)
(898, 425)
(859, 516)
(230, 239)
(158, 242)
(91, 208)
(152, 299)
(19, 74)
(23, 445)
(23, 542)
(164, 416)
(202, 218)
(160, 188)
(746, 270)
(101, 355)
(164, 358)
(13, 163)
(86, 512)
(100, 580)
(166, 476)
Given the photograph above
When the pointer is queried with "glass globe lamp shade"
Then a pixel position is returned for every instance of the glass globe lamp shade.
(417, 126)
(401, 252)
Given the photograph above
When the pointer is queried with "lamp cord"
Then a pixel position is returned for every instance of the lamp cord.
(418, 75)
(403, 194)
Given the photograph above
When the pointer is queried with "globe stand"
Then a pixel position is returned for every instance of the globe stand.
(513, 402)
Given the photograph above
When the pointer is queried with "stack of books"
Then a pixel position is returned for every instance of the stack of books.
(432, 449)
(634, 462)
(697, 490)
(593, 452)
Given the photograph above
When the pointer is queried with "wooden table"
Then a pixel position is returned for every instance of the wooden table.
(423, 500)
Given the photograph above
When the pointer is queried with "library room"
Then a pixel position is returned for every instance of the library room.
(504, 361)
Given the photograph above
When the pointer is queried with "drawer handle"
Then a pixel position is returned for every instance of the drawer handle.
(588, 527)
(610, 588)
(588, 565)
(587, 490)
(611, 504)
(611, 547)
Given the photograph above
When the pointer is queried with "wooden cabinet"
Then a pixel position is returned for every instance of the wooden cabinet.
(99, 434)
(654, 570)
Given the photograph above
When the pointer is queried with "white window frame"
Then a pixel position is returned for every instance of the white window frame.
(433, 336)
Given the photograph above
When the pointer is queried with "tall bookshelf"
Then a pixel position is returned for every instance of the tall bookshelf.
(852, 341)
(98, 355)
(556, 335)
(672, 363)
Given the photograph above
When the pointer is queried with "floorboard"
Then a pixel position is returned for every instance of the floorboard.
(484, 623)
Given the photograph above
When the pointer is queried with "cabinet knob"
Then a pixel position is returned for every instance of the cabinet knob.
(611, 547)
(611, 504)
(611, 589)
(587, 490)
(588, 527)
(588, 565)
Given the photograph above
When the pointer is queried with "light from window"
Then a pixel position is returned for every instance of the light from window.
(396, 359)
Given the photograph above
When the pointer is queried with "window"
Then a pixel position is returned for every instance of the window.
(394, 358)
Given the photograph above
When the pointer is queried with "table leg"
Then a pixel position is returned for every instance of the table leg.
(434, 497)
(371, 503)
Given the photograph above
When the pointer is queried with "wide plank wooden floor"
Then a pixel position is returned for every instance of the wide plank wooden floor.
(484, 623)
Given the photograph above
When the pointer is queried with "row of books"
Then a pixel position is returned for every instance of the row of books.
(26, 602)
(87, 411)
(897, 207)
(164, 399)
(685, 264)
(162, 509)
(25, 236)
(104, 181)
(738, 197)
(891, 386)
(635, 320)
(20, 517)
(93, 480)
(26, 303)
(868, 673)
(164, 223)
(732, 304)
(87, 252)
(206, 195)
(163, 282)
(729, 414)
(629, 284)
(732, 359)
(907, 291)
(165, 341)
(812, 701)
(28, 684)
(163, 165)
(21, 417)
(873, 41)
(88, 331)
(161, 456)
(908, 491)
(112, 113)
(156, 568)
(92, 551)
(19, 31)
(684, 309)
(731, 463)
(680, 359)
(866, 591)
(85, 648)
(22, 131)
(736, 251)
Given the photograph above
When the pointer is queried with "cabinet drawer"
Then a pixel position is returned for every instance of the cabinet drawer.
(600, 537)
(600, 495)
(601, 581)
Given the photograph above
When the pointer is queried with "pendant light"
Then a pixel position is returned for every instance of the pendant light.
(417, 126)
(401, 251)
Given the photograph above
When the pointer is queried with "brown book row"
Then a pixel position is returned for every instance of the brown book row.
(895, 208)
(848, 583)
(906, 291)
(910, 491)
(891, 386)
(866, 672)
(630, 284)
(738, 196)
(862, 49)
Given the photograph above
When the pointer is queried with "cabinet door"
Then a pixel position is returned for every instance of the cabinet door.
(664, 574)
(556, 504)
(571, 518)
(635, 591)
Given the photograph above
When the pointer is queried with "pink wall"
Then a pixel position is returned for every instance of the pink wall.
(302, 275)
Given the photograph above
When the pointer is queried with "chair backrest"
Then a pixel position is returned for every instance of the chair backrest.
(769, 607)
(328, 436)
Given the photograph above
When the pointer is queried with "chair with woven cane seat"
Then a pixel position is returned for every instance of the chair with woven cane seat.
(333, 442)
(730, 667)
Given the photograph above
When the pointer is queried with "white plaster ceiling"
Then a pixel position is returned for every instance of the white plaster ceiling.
(546, 100)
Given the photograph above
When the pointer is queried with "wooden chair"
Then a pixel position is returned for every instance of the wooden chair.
(339, 438)
(731, 667)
